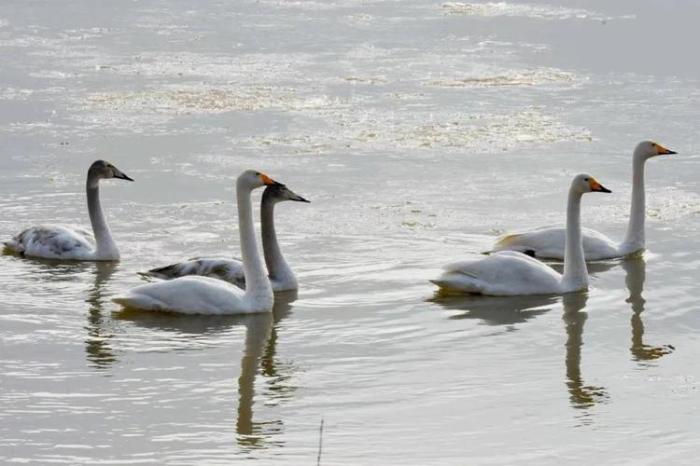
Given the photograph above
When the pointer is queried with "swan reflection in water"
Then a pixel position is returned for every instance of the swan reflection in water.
(636, 275)
(261, 350)
(581, 396)
(259, 357)
(67, 275)
(496, 310)
(97, 348)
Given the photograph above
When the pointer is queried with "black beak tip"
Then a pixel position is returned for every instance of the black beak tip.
(127, 178)
(672, 152)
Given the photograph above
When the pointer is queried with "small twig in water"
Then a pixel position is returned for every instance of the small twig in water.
(320, 443)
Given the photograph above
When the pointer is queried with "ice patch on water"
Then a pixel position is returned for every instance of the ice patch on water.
(377, 131)
(251, 68)
(315, 5)
(513, 78)
(490, 132)
(51, 74)
(671, 204)
(493, 9)
(188, 99)
(12, 93)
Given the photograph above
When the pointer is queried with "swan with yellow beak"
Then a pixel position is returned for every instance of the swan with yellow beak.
(512, 273)
(548, 243)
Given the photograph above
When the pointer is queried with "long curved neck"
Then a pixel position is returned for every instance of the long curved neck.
(277, 267)
(106, 247)
(634, 239)
(575, 273)
(257, 283)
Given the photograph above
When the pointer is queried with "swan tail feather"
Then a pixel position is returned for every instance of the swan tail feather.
(451, 283)
(506, 241)
(168, 271)
(13, 246)
(138, 301)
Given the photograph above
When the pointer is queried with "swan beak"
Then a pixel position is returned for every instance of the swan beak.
(268, 181)
(123, 176)
(661, 150)
(298, 198)
(597, 187)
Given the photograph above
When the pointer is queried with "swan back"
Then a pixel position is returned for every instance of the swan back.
(192, 295)
(505, 273)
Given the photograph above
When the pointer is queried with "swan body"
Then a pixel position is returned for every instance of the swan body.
(193, 295)
(53, 242)
(281, 276)
(512, 273)
(501, 274)
(229, 270)
(549, 242)
(205, 295)
(63, 243)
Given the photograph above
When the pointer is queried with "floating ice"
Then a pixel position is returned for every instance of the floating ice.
(491, 9)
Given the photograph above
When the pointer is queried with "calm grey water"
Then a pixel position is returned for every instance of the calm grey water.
(420, 130)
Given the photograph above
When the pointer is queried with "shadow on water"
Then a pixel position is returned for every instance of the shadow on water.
(496, 310)
(636, 275)
(98, 350)
(259, 356)
(581, 396)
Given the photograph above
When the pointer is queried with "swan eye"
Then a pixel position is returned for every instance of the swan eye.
(257, 173)
(585, 179)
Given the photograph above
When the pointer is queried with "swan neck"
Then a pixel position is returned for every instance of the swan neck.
(634, 240)
(106, 248)
(257, 283)
(277, 266)
(575, 276)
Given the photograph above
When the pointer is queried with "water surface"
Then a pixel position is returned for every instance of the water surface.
(419, 130)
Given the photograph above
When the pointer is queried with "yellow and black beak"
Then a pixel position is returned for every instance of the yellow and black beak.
(267, 181)
(597, 187)
(661, 150)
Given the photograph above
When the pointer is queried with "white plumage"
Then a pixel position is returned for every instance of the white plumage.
(189, 295)
(504, 273)
(548, 243)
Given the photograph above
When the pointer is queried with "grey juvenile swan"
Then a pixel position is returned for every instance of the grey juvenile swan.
(62, 243)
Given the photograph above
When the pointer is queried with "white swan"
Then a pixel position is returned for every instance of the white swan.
(281, 276)
(59, 242)
(205, 295)
(510, 273)
(549, 242)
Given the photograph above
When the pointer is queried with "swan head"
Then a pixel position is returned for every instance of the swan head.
(254, 179)
(648, 149)
(278, 192)
(101, 169)
(585, 183)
